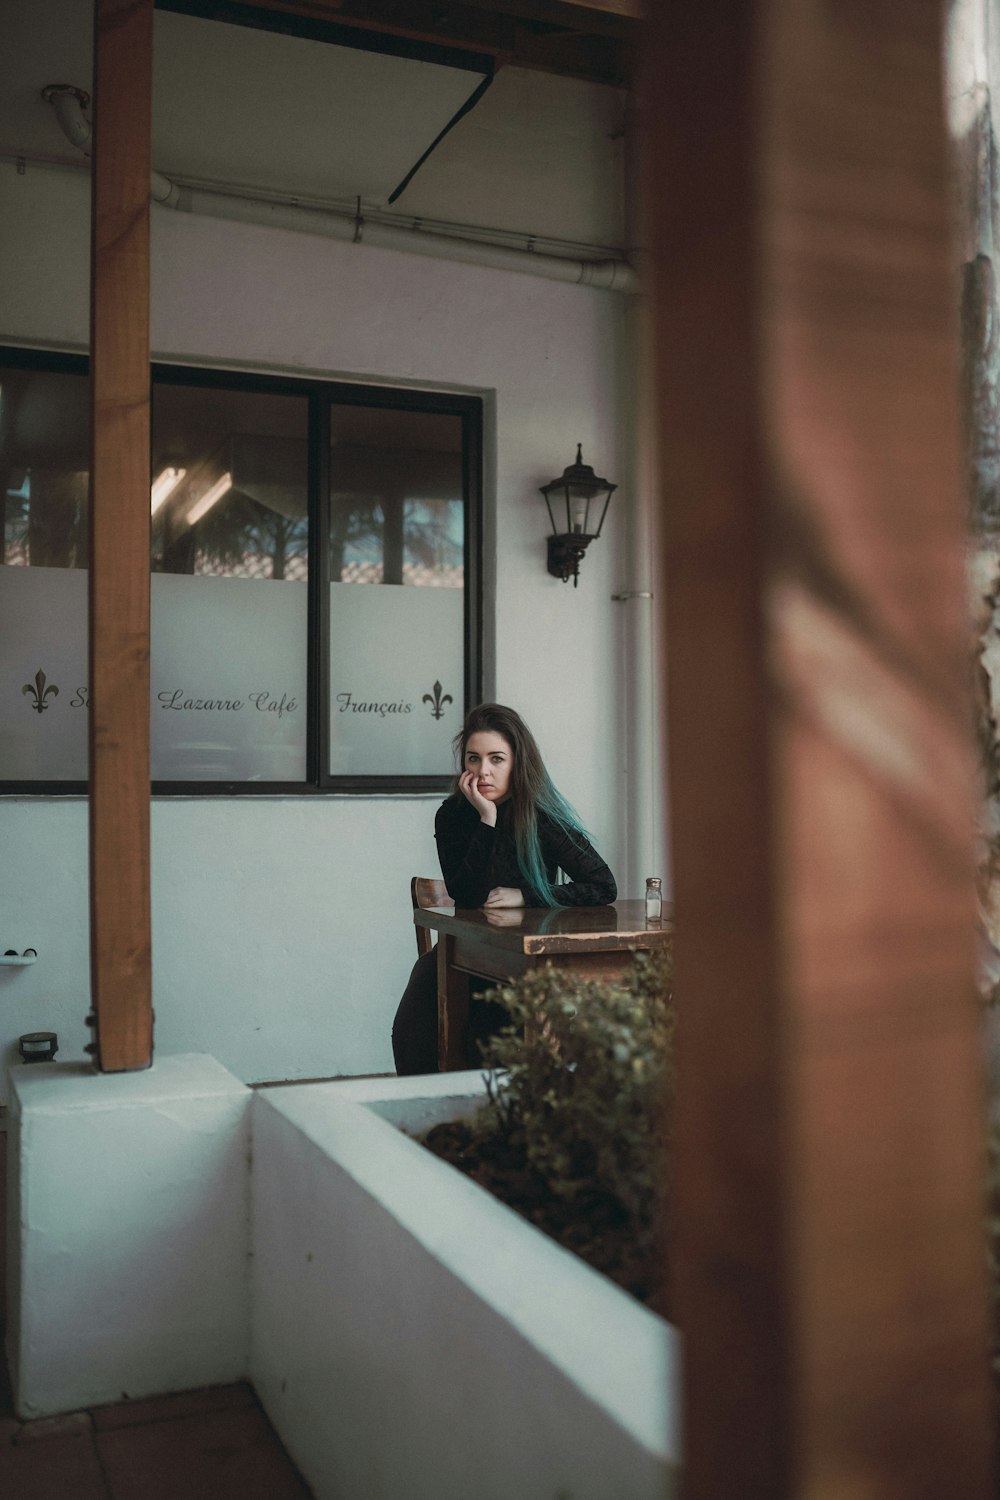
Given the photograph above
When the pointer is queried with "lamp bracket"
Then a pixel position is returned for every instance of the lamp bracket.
(565, 554)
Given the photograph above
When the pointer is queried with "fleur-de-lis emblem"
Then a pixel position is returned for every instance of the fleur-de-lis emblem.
(437, 703)
(40, 692)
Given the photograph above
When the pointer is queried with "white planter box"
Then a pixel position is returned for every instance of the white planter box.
(413, 1339)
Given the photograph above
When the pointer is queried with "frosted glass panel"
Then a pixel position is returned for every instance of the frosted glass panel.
(229, 629)
(397, 630)
(43, 647)
(228, 679)
(396, 679)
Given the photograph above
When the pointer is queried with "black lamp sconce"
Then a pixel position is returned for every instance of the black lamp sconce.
(579, 497)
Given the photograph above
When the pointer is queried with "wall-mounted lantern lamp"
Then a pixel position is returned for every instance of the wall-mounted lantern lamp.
(579, 498)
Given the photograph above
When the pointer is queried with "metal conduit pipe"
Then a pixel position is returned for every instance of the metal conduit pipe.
(472, 247)
(162, 190)
(642, 789)
(68, 105)
(643, 812)
(610, 275)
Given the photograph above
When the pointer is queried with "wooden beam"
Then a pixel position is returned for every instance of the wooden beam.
(634, 10)
(599, 17)
(605, 17)
(829, 1260)
(572, 40)
(119, 536)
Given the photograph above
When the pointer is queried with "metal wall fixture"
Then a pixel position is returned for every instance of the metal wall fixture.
(38, 1046)
(12, 958)
(580, 496)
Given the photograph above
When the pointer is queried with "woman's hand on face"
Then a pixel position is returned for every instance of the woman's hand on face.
(504, 895)
(468, 785)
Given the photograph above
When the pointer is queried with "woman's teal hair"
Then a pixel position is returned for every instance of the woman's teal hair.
(531, 791)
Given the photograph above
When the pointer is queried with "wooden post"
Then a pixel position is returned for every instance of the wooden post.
(829, 1256)
(119, 536)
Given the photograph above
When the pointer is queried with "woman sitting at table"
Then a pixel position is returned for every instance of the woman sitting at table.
(502, 836)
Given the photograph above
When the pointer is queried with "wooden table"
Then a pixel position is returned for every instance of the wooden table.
(596, 942)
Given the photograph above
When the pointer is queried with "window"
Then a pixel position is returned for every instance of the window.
(397, 583)
(314, 561)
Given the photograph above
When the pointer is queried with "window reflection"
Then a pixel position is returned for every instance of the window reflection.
(229, 484)
(396, 498)
(44, 464)
(432, 543)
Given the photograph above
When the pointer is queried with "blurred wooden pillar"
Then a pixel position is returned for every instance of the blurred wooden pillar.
(119, 536)
(830, 1272)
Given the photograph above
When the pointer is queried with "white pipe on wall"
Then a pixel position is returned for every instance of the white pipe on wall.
(368, 229)
(464, 243)
(643, 814)
(162, 190)
(68, 105)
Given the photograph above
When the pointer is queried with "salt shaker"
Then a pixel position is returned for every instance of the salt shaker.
(654, 899)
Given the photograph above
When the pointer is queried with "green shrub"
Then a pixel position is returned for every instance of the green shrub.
(584, 1093)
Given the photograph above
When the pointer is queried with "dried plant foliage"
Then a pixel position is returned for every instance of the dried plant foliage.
(575, 1133)
(985, 577)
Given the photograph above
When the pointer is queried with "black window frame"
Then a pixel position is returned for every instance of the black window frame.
(322, 396)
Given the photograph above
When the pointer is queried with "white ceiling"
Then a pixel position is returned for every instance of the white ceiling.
(304, 114)
(539, 154)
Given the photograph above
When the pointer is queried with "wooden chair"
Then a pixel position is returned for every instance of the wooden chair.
(426, 891)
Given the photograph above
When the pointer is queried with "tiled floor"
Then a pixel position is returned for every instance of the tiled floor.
(202, 1445)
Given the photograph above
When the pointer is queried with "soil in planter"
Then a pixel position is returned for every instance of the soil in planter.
(594, 1226)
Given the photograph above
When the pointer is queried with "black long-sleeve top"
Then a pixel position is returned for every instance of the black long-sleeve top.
(475, 857)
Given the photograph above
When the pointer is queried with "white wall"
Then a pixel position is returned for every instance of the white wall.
(281, 930)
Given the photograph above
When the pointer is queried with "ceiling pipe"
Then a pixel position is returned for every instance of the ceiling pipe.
(466, 245)
(69, 105)
(163, 190)
(610, 275)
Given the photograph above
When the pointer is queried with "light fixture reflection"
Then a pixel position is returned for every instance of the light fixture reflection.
(163, 487)
(209, 498)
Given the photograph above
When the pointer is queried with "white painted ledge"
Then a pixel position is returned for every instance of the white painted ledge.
(415, 1340)
(128, 1231)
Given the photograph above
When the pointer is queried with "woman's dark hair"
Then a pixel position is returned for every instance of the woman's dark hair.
(531, 790)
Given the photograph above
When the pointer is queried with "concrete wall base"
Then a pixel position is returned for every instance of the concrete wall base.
(410, 1338)
(128, 1225)
(415, 1340)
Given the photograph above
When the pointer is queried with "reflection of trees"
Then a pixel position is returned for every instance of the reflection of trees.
(241, 535)
(44, 480)
(238, 537)
(47, 527)
(392, 537)
(433, 533)
(396, 514)
(357, 528)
